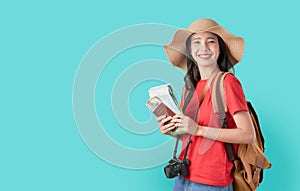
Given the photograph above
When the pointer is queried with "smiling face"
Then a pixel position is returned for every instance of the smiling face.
(205, 48)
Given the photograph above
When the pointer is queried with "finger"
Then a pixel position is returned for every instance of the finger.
(164, 121)
(177, 116)
(168, 129)
(176, 120)
(169, 124)
(178, 125)
(166, 126)
(159, 118)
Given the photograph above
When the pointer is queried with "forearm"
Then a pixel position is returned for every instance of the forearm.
(243, 134)
(236, 135)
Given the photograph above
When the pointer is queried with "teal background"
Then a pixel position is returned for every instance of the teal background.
(42, 44)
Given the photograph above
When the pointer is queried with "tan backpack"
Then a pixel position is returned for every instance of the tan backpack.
(249, 161)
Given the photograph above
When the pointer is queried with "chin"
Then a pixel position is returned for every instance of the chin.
(206, 63)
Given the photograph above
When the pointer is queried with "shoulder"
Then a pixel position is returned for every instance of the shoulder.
(235, 97)
(232, 83)
(230, 78)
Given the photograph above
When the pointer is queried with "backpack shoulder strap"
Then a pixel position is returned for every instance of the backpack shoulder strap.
(219, 106)
(219, 91)
(218, 88)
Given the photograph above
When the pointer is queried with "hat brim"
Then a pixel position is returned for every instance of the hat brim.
(176, 50)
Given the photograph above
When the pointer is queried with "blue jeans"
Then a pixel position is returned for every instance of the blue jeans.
(184, 185)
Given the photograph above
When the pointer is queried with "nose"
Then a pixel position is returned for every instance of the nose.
(203, 47)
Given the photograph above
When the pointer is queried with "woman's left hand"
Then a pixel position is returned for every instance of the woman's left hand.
(185, 123)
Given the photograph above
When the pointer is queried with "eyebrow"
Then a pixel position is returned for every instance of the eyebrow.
(214, 38)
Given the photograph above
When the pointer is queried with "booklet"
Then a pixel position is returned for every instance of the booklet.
(163, 102)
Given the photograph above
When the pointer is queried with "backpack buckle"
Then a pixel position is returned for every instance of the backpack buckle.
(256, 174)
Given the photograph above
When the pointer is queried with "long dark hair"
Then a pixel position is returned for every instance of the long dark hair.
(193, 75)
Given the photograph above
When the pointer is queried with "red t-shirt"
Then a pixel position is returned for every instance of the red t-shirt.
(208, 158)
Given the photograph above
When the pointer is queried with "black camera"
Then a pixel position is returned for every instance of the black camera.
(177, 167)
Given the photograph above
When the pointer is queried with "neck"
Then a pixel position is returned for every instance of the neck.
(207, 72)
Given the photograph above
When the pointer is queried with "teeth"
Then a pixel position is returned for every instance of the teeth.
(204, 55)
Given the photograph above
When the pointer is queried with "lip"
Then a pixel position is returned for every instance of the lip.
(204, 56)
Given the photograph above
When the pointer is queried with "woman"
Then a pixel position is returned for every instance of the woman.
(203, 50)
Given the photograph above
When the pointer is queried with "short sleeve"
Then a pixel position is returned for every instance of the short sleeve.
(235, 97)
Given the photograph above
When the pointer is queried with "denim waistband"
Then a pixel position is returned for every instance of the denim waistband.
(182, 184)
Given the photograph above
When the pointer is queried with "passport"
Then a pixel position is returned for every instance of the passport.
(163, 102)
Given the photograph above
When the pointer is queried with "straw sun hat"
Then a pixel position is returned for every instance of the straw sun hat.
(176, 50)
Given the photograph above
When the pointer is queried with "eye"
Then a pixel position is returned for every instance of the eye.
(211, 41)
(196, 42)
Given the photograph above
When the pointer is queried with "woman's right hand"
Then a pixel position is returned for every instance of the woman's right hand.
(164, 125)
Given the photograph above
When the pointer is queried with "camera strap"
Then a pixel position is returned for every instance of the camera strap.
(188, 98)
